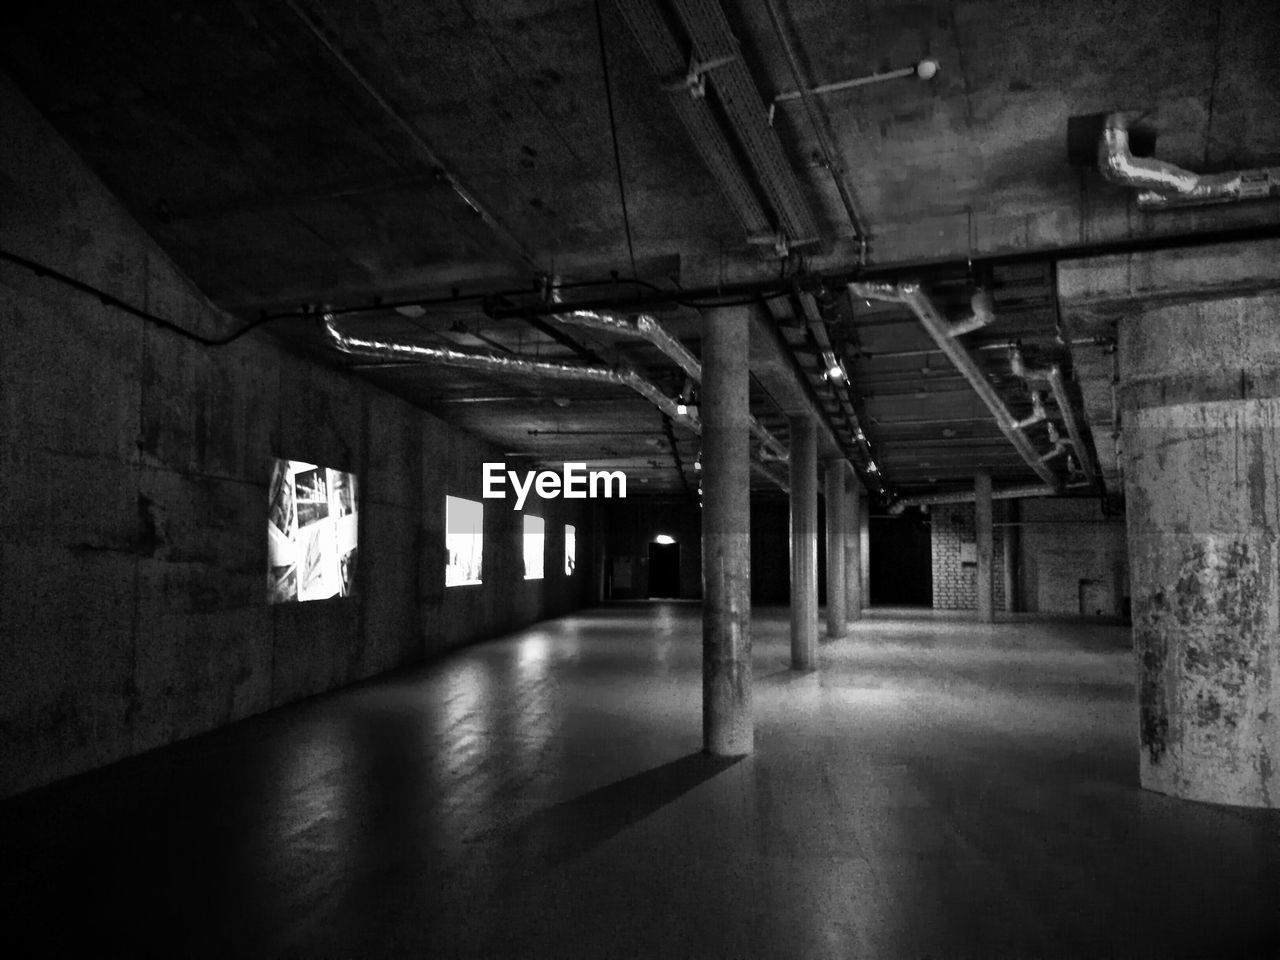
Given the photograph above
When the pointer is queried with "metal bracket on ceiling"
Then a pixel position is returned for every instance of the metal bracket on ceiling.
(695, 79)
(781, 243)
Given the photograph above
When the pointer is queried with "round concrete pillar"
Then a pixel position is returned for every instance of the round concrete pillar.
(835, 499)
(1201, 435)
(852, 547)
(803, 476)
(727, 726)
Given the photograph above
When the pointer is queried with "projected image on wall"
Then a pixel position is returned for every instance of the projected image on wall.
(312, 531)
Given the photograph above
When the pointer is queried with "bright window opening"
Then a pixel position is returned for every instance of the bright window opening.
(312, 531)
(535, 540)
(570, 548)
(464, 541)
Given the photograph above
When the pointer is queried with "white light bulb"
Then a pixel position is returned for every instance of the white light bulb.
(682, 409)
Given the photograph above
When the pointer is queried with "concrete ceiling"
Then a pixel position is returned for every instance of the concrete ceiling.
(293, 153)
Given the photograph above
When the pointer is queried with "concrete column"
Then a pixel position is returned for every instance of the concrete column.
(727, 726)
(1200, 409)
(804, 543)
(835, 550)
(864, 547)
(983, 525)
(852, 547)
(1012, 555)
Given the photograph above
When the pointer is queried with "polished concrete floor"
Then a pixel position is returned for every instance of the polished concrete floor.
(939, 789)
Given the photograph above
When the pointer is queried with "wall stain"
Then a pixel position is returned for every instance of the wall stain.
(1216, 611)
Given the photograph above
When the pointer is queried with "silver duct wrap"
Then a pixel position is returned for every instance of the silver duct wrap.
(647, 328)
(1164, 185)
(982, 312)
(968, 496)
(876, 290)
(394, 350)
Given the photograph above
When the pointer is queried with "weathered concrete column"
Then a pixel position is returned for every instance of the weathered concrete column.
(804, 543)
(835, 550)
(1200, 402)
(1013, 555)
(864, 548)
(727, 726)
(852, 547)
(983, 521)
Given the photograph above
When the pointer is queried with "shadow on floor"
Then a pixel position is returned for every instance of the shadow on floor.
(564, 832)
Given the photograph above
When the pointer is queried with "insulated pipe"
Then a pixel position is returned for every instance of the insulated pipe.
(1165, 185)
(1059, 389)
(1053, 376)
(914, 297)
(647, 328)
(983, 312)
(624, 377)
(966, 496)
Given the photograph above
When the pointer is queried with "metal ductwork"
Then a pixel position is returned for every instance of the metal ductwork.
(938, 329)
(1053, 376)
(982, 312)
(647, 328)
(636, 325)
(968, 496)
(1163, 185)
(495, 363)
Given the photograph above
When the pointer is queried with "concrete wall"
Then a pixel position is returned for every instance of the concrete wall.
(1066, 556)
(630, 527)
(1074, 559)
(133, 470)
(953, 535)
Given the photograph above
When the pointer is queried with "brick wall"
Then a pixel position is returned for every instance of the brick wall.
(955, 580)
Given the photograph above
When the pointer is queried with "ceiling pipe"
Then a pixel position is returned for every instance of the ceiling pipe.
(1053, 376)
(982, 312)
(968, 496)
(492, 362)
(903, 268)
(914, 297)
(1038, 414)
(647, 328)
(1083, 452)
(1163, 185)
(925, 69)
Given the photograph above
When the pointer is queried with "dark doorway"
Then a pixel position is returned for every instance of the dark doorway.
(901, 560)
(664, 569)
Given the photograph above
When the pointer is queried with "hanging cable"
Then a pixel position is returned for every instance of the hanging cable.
(613, 132)
(107, 300)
